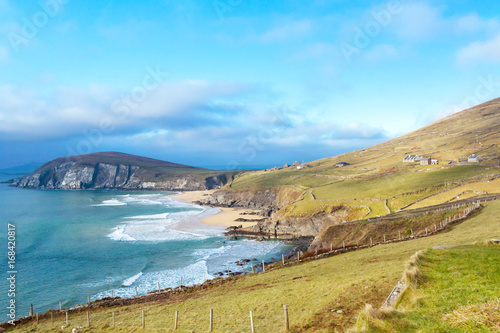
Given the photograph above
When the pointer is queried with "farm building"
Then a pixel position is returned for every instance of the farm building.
(474, 158)
(434, 161)
(425, 161)
(412, 158)
(341, 164)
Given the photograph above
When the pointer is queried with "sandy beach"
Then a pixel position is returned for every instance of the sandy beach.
(226, 216)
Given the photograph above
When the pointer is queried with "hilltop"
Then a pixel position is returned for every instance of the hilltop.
(375, 181)
(122, 171)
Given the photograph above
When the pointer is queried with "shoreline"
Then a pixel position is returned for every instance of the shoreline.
(226, 216)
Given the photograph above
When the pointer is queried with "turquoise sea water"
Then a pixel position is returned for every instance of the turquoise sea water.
(70, 244)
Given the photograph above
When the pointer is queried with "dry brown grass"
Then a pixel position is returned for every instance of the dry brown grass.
(476, 315)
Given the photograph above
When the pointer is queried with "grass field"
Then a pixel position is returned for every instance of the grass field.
(461, 192)
(457, 290)
(311, 290)
(378, 172)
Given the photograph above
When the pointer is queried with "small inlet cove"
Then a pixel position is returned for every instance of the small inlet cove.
(71, 244)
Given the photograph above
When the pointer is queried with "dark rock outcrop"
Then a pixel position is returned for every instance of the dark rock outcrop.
(265, 199)
(79, 173)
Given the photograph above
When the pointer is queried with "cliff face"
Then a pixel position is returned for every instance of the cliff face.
(303, 226)
(267, 199)
(270, 201)
(74, 175)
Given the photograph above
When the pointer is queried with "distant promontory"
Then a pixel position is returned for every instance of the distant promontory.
(113, 170)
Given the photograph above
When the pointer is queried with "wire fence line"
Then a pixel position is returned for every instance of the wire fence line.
(210, 320)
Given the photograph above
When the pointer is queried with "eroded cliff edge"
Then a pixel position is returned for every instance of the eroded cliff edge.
(120, 171)
(277, 224)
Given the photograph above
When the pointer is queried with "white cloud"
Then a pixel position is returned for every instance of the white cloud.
(296, 29)
(4, 54)
(486, 51)
(316, 50)
(472, 23)
(418, 20)
(67, 111)
(381, 52)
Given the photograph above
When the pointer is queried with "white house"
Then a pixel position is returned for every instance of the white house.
(474, 158)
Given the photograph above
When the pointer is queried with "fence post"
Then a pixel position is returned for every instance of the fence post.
(331, 247)
(371, 242)
(67, 318)
(263, 267)
(51, 316)
(211, 327)
(37, 318)
(384, 238)
(243, 269)
(60, 308)
(176, 318)
(31, 309)
(252, 268)
(435, 227)
(251, 322)
(227, 271)
(88, 298)
(283, 259)
(426, 231)
(285, 308)
(88, 319)
(343, 244)
(136, 293)
(399, 232)
(143, 320)
(112, 294)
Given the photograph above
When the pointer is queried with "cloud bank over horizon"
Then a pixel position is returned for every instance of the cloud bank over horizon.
(244, 83)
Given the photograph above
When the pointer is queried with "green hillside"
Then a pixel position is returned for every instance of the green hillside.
(451, 290)
(378, 181)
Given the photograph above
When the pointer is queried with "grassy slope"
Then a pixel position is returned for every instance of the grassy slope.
(458, 291)
(310, 290)
(377, 173)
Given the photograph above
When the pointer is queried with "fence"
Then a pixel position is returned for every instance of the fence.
(171, 321)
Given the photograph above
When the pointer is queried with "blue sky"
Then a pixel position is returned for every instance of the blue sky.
(236, 83)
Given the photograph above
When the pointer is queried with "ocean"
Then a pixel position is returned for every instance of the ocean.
(71, 244)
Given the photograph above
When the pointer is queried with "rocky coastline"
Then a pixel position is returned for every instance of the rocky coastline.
(77, 176)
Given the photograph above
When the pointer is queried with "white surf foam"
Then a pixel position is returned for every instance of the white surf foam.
(151, 231)
(128, 282)
(112, 202)
(119, 235)
(154, 216)
(146, 282)
(148, 199)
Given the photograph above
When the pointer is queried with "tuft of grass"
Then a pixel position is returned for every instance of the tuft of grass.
(475, 317)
